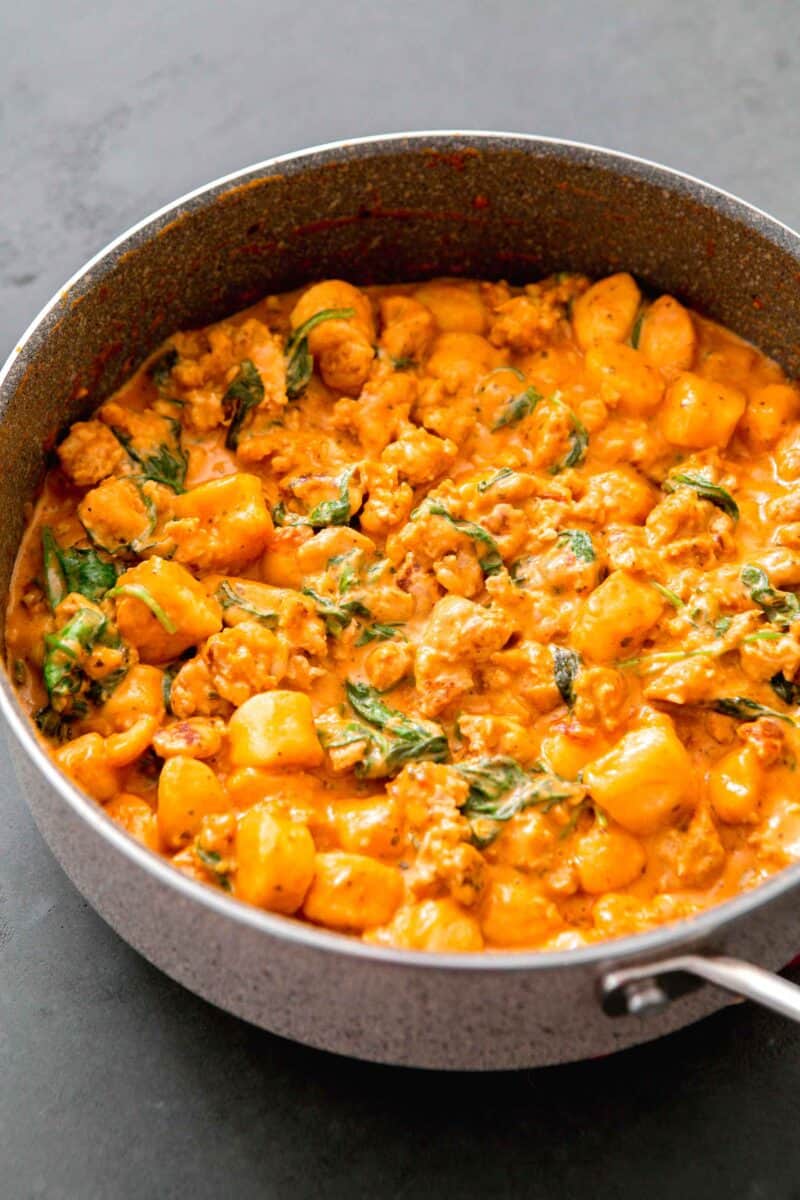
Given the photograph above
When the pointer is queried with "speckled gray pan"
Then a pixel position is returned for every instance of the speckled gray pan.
(377, 210)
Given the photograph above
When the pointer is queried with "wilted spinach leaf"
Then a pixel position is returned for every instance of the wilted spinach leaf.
(500, 787)
(785, 689)
(63, 673)
(705, 489)
(299, 360)
(394, 738)
(566, 665)
(246, 391)
(491, 562)
(74, 570)
(780, 608)
(503, 473)
(137, 591)
(324, 514)
(578, 440)
(161, 368)
(744, 709)
(378, 632)
(228, 597)
(337, 616)
(517, 407)
(580, 543)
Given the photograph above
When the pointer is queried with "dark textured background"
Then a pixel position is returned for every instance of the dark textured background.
(113, 1081)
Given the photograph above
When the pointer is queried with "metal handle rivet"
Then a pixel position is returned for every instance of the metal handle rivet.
(645, 997)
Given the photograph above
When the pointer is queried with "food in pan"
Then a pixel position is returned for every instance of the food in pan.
(449, 615)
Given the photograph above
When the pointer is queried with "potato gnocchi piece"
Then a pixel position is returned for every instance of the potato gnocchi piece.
(221, 525)
(188, 791)
(343, 345)
(607, 311)
(645, 782)
(699, 413)
(274, 729)
(275, 861)
(121, 515)
(617, 617)
(409, 328)
(162, 609)
(197, 737)
(667, 338)
(431, 925)
(352, 891)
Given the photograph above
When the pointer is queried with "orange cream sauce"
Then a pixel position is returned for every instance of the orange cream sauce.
(448, 615)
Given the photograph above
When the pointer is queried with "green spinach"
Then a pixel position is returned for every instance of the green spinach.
(378, 632)
(391, 738)
(160, 369)
(785, 689)
(580, 543)
(63, 674)
(74, 570)
(324, 514)
(578, 440)
(500, 787)
(671, 597)
(212, 861)
(744, 709)
(299, 359)
(137, 591)
(245, 392)
(498, 477)
(337, 616)
(228, 597)
(164, 463)
(706, 490)
(57, 725)
(566, 665)
(780, 608)
(517, 408)
(491, 562)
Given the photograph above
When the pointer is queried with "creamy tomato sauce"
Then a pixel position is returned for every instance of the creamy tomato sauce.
(448, 615)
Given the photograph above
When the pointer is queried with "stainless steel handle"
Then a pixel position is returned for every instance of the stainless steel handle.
(649, 988)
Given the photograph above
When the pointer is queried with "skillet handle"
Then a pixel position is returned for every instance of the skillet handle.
(650, 988)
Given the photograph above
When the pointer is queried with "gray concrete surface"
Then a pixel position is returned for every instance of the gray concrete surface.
(113, 1081)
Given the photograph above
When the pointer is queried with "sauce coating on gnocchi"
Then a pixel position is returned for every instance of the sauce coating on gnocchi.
(448, 615)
